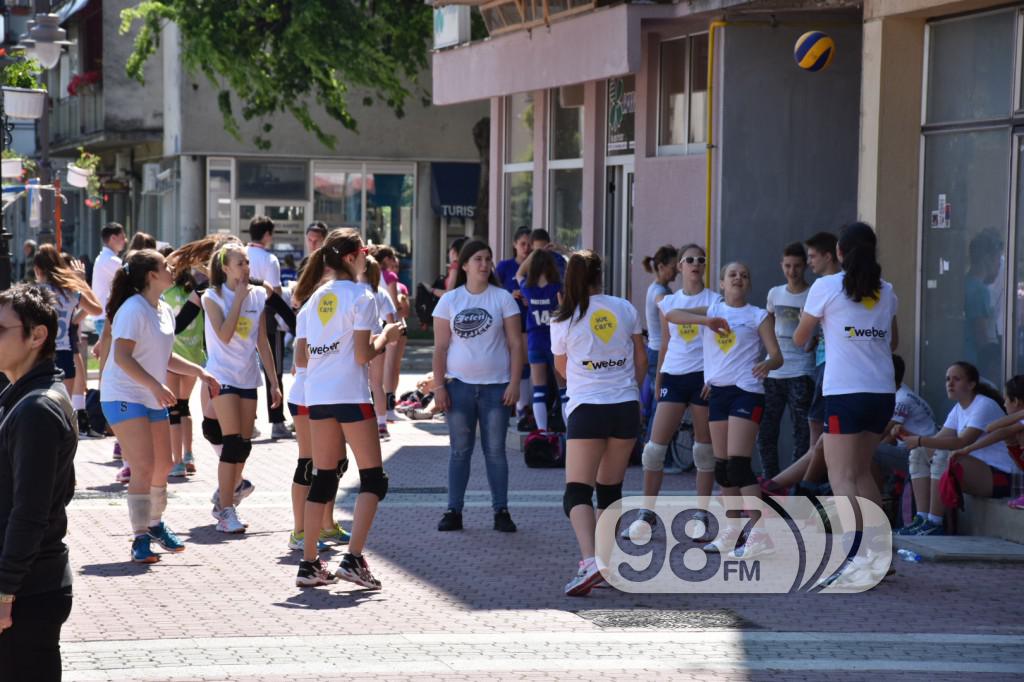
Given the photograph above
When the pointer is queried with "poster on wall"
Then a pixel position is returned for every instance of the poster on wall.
(621, 114)
(942, 215)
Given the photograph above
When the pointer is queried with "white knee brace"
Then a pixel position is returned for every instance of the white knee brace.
(653, 457)
(918, 464)
(704, 457)
(939, 461)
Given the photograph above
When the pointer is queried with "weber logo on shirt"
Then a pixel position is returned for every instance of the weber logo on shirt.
(325, 349)
(865, 333)
(595, 365)
(472, 322)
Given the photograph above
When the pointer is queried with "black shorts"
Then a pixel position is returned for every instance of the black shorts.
(73, 336)
(733, 401)
(243, 393)
(618, 420)
(343, 413)
(298, 410)
(682, 388)
(816, 412)
(858, 412)
(65, 360)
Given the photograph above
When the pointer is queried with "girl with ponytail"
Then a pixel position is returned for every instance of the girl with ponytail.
(135, 399)
(663, 265)
(599, 349)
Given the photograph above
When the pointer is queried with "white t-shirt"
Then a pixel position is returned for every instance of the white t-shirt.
(786, 307)
(685, 353)
(857, 336)
(103, 270)
(599, 352)
(729, 360)
(478, 352)
(913, 412)
(152, 330)
(980, 413)
(67, 301)
(264, 265)
(297, 392)
(384, 305)
(336, 310)
(235, 363)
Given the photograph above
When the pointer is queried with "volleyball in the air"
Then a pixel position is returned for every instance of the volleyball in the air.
(814, 51)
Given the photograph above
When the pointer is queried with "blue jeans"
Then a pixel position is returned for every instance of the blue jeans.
(473, 404)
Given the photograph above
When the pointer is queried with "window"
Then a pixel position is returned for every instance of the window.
(218, 195)
(517, 170)
(565, 174)
(518, 200)
(519, 128)
(338, 196)
(682, 94)
(566, 129)
(621, 114)
(272, 180)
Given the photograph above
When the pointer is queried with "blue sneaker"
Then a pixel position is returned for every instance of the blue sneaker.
(929, 528)
(166, 538)
(178, 471)
(296, 540)
(141, 553)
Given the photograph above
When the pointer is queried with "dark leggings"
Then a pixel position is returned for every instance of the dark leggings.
(30, 649)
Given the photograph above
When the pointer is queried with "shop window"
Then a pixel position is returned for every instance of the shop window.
(565, 216)
(258, 179)
(517, 170)
(519, 128)
(566, 129)
(518, 192)
(682, 94)
(338, 197)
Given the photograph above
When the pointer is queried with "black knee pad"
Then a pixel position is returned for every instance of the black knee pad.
(303, 471)
(174, 416)
(373, 480)
(234, 451)
(607, 495)
(577, 494)
(342, 466)
(722, 473)
(740, 472)
(212, 432)
(183, 408)
(324, 486)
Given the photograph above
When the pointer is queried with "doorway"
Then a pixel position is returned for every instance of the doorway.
(618, 228)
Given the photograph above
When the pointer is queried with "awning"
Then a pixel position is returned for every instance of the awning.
(70, 9)
(454, 188)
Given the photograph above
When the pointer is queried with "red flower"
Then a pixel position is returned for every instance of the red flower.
(82, 80)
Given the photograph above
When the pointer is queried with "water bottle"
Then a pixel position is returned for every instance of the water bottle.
(908, 555)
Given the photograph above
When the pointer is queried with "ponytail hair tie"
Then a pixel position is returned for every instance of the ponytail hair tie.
(335, 250)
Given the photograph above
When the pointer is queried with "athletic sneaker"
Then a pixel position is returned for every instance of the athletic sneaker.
(725, 542)
(355, 570)
(419, 414)
(190, 463)
(124, 475)
(117, 452)
(1016, 504)
(503, 521)
(166, 538)
(227, 521)
(912, 527)
(645, 515)
(178, 470)
(335, 534)
(141, 552)
(314, 574)
(758, 543)
(586, 578)
(243, 490)
(296, 542)
(391, 416)
(279, 430)
(929, 528)
(382, 431)
(452, 520)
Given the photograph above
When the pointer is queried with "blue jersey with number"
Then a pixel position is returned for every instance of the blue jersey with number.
(67, 302)
(541, 304)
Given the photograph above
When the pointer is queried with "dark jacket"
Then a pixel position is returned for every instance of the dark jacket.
(37, 481)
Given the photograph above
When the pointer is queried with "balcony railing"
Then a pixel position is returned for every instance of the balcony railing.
(75, 118)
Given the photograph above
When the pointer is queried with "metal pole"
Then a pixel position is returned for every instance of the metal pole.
(57, 210)
(5, 236)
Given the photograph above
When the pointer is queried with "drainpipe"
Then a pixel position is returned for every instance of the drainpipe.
(712, 27)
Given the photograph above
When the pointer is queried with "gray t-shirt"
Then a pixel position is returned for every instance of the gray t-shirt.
(651, 314)
(787, 307)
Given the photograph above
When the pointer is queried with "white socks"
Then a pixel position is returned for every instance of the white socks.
(158, 503)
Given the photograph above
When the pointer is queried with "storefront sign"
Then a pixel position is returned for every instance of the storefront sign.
(621, 114)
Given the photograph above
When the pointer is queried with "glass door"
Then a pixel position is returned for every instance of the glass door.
(618, 230)
(289, 228)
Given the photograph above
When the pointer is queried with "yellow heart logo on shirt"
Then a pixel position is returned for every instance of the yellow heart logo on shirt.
(244, 327)
(871, 302)
(328, 306)
(726, 342)
(687, 332)
(603, 324)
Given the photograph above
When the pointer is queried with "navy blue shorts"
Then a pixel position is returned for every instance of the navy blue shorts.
(732, 401)
(343, 413)
(682, 388)
(65, 360)
(816, 412)
(298, 410)
(243, 393)
(540, 357)
(858, 412)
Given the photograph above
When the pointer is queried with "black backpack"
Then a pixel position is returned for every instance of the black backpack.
(92, 408)
(544, 451)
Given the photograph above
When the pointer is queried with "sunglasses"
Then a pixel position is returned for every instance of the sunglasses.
(699, 260)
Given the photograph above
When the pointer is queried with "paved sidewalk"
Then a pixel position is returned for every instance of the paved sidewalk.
(479, 604)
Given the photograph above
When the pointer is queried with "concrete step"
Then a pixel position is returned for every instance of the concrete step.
(991, 517)
(961, 548)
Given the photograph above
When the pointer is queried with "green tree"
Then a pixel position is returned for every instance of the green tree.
(274, 56)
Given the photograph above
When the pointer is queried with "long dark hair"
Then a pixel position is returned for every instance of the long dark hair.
(980, 387)
(142, 240)
(55, 268)
(338, 244)
(665, 255)
(858, 243)
(131, 278)
(582, 272)
(542, 264)
(470, 249)
(1015, 388)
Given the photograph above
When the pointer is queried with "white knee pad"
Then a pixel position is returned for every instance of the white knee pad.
(653, 457)
(703, 457)
(939, 461)
(918, 463)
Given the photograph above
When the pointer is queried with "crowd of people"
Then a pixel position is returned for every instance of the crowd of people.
(534, 338)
